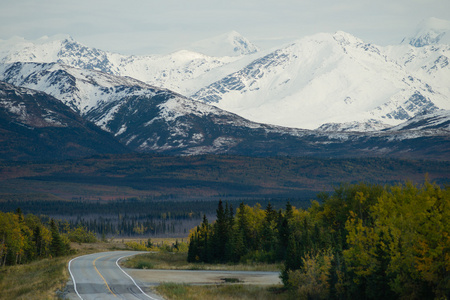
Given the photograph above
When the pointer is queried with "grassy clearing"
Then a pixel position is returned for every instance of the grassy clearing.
(178, 261)
(173, 291)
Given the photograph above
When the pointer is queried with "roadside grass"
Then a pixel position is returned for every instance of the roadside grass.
(174, 291)
(36, 280)
(46, 278)
(178, 261)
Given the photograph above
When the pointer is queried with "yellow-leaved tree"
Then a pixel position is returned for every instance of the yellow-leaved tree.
(408, 243)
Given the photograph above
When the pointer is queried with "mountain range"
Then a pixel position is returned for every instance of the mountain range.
(323, 95)
(325, 78)
(149, 119)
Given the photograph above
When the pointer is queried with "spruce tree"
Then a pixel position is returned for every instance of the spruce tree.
(220, 237)
(37, 239)
(193, 247)
(57, 247)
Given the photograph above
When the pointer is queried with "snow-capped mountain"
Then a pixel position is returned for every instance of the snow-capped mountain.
(428, 61)
(80, 89)
(149, 119)
(430, 31)
(142, 117)
(34, 125)
(325, 78)
(332, 81)
(178, 71)
(227, 44)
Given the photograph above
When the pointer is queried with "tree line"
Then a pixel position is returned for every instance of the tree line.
(128, 226)
(128, 217)
(24, 238)
(141, 208)
(361, 241)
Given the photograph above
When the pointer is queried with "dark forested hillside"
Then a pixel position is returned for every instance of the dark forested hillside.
(123, 194)
(109, 177)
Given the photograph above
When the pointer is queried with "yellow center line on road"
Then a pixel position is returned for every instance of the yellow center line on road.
(101, 274)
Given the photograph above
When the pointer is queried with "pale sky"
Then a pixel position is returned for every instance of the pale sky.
(156, 27)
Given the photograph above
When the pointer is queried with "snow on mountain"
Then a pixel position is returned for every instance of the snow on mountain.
(332, 79)
(20, 110)
(175, 71)
(79, 89)
(430, 31)
(100, 97)
(321, 79)
(228, 44)
(367, 126)
(141, 116)
(149, 119)
(439, 120)
(34, 125)
(44, 49)
(429, 63)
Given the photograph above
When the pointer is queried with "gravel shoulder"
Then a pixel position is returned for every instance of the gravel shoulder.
(151, 277)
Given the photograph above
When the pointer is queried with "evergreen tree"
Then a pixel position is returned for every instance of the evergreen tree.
(57, 247)
(283, 235)
(220, 236)
(361, 242)
(193, 246)
(271, 214)
(238, 246)
(37, 239)
(243, 226)
(292, 261)
(268, 234)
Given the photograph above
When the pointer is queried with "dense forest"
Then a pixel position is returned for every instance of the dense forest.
(144, 176)
(361, 241)
(24, 238)
(132, 217)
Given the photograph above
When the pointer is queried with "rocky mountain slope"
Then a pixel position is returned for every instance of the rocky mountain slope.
(439, 120)
(149, 119)
(34, 125)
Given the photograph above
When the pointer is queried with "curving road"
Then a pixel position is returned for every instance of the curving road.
(99, 276)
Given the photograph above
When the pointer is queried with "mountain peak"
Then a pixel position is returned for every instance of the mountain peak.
(228, 44)
(430, 31)
(346, 38)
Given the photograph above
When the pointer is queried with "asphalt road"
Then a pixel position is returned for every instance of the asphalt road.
(98, 276)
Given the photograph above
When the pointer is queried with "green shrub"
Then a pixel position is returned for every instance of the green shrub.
(137, 246)
(142, 264)
(81, 235)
